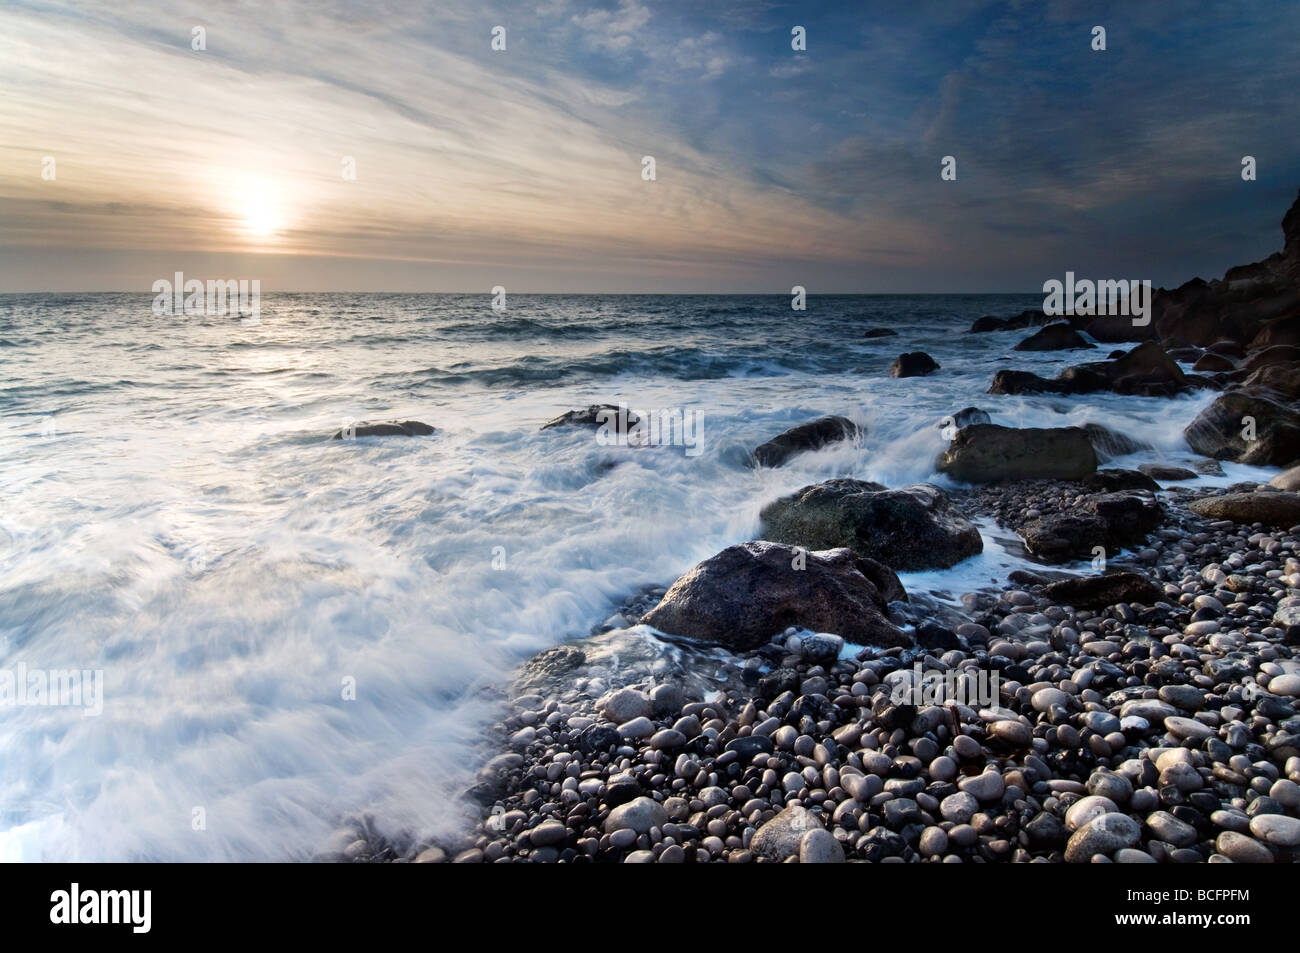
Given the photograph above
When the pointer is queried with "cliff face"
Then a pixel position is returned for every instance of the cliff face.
(1241, 306)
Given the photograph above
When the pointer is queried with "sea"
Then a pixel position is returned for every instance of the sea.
(272, 630)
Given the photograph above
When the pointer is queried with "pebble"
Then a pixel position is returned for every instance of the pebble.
(1241, 849)
(1102, 835)
(1276, 829)
(640, 814)
(988, 786)
(819, 846)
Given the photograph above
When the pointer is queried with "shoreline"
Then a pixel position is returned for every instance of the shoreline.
(1144, 714)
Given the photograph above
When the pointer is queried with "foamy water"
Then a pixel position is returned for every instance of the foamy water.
(175, 515)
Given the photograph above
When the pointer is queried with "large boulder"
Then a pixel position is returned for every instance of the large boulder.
(908, 529)
(879, 333)
(810, 436)
(1109, 520)
(1270, 507)
(913, 364)
(1054, 337)
(1145, 370)
(1248, 428)
(988, 453)
(748, 593)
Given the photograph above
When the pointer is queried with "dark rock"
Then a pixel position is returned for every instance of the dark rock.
(913, 364)
(1214, 363)
(964, 418)
(987, 453)
(749, 746)
(1109, 520)
(1112, 481)
(879, 333)
(930, 635)
(597, 415)
(1221, 430)
(747, 593)
(1158, 471)
(597, 738)
(1054, 337)
(810, 436)
(393, 428)
(1098, 592)
(1146, 370)
(909, 529)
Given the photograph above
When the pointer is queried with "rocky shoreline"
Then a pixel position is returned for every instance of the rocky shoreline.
(1142, 712)
(1134, 731)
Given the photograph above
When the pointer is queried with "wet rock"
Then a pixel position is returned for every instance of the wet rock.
(392, 428)
(1097, 592)
(747, 593)
(810, 436)
(913, 364)
(1222, 430)
(639, 814)
(1054, 337)
(597, 415)
(908, 529)
(987, 453)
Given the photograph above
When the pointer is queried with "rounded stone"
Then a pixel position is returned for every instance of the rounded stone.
(547, 833)
(1241, 849)
(819, 846)
(934, 842)
(958, 808)
(988, 786)
(639, 814)
(1103, 836)
(1045, 698)
(1276, 829)
(1288, 685)
(1014, 733)
(1087, 809)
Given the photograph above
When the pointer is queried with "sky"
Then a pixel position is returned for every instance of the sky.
(477, 167)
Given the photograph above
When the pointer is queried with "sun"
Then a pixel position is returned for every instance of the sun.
(259, 211)
(263, 221)
(262, 217)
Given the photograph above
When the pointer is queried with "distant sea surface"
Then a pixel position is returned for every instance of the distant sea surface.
(173, 513)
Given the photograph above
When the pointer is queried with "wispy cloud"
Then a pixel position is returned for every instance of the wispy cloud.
(528, 161)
